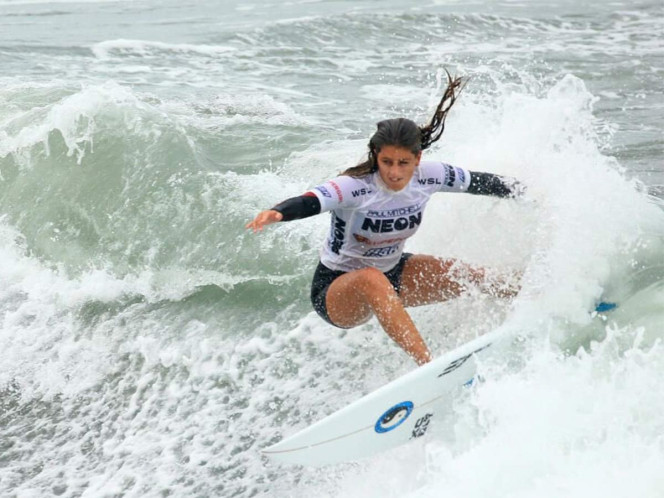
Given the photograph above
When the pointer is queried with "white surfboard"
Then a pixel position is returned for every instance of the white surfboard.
(396, 413)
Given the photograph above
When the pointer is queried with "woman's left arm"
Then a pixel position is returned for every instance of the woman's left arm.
(495, 185)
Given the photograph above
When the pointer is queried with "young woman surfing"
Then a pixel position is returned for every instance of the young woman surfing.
(376, 206)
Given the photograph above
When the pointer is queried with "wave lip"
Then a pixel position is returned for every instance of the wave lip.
(145, 48)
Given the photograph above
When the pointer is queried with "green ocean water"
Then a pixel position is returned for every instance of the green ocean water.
(151, 346)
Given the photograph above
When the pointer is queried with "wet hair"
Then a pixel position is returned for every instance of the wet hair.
(402, 132)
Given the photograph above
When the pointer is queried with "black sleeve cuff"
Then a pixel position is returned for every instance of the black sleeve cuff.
(298, 207)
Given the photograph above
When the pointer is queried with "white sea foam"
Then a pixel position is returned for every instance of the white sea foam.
(578, 426)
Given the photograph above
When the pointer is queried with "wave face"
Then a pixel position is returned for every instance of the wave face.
(151, 346)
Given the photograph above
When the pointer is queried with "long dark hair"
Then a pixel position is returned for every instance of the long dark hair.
(402, 132)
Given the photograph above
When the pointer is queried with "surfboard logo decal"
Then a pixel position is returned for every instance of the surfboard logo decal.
(394, 417)
(460, 361)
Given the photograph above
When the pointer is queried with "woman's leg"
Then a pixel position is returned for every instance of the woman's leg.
(353, 297)
(426, 280)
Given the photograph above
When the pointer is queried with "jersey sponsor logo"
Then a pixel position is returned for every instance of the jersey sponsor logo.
(368, 242)
(339, 233)
(362, 191)
(394, 417)
(392, 224)
(381, 252)
(393, 213)
(337, 189)
(429, 181)
(362, 239)
(324, 191)
(461, 175)
(450, 175)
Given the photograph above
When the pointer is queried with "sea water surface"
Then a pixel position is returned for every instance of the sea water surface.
(151, 346)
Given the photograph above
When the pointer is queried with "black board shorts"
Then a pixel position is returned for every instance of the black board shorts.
(323, 278)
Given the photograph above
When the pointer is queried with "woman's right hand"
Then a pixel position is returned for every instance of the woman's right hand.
(264, 218)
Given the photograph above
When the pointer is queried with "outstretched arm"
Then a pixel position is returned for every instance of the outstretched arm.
(495, 185)
(294, 208)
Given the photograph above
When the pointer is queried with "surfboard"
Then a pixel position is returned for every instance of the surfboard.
(398, 412)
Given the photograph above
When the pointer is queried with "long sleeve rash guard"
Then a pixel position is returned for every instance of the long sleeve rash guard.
(370, 223)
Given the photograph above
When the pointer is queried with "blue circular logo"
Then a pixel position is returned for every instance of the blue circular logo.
(394, 417)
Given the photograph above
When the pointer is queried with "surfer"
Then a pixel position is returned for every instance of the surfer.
(375, 207)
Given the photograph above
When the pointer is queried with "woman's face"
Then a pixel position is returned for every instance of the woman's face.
(396, 165)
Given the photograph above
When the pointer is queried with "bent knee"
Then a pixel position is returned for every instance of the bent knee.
(370, 280)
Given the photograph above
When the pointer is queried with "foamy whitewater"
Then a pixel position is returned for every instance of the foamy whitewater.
(151, 346)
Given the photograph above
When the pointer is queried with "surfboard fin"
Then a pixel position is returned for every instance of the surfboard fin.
(605, 306)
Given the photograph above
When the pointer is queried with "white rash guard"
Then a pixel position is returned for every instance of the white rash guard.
(370, 223)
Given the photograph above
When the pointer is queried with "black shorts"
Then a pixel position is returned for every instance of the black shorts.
(323, 277)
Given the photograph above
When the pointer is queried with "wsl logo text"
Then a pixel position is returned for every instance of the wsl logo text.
(362, 191)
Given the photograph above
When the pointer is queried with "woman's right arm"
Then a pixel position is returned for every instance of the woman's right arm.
(294, 208)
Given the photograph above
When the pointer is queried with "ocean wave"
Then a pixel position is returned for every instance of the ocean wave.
(73, 117)
(146, 48)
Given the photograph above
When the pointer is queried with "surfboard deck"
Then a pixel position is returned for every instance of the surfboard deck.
(398, 412)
